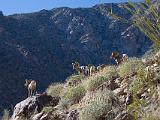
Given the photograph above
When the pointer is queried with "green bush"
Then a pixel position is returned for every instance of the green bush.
(98, 106)
(74, 94)
(131, 66)
(55, 89)
(136, 86)
(138, 81)
(109, 72)
(144, 78)
(94, 82)
(64, 104)
(74, 80)
(142, 81)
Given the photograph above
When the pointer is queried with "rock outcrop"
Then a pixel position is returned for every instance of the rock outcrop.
(33, 105)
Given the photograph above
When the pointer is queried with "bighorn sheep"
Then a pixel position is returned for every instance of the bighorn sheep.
(84, 70)
(92, 69)
(116, 57)
(124, 57)
(31, 85)
(76, 66)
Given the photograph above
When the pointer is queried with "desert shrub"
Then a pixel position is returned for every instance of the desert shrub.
(99, 105)
(136, 85)
(152, 115)
(94, 82)
(138, 81)
(64, 104)
(131, 66)
(5, 115)
(75, 80)
(109, 72)
(141, 108)
(144, 78)
(136, 108)
(142, 81)
(74, 94)
(55, 89)
(104, 76)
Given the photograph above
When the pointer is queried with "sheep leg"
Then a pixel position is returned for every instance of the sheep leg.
(31, 93)
(90, 73)
(34, 92)
(28, 92)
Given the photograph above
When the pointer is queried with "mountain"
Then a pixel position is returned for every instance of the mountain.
(42, 45)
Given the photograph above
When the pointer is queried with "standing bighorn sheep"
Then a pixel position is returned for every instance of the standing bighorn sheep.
(84, 70)
(118, 58)
(31, 85)
(76, 66)
(125, 57)
(91, 69)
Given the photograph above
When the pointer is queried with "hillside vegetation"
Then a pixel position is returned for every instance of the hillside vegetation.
(130, 91)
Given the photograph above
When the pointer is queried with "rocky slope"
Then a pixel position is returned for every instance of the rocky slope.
(42, 45)
(129, 91)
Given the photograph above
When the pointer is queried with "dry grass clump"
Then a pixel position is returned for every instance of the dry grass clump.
(109, 72)
(74, 80)
(145, 84)
(152, 115)
(131, 66)
(55, 89)
(74, 94)
(143, 79)
(64, 105)
(104, 76)
(139, 81)
(94, 82)
(97, 107)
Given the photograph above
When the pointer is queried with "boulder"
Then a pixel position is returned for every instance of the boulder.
(32, 105)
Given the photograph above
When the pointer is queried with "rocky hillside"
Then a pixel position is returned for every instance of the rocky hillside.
(130, 91)
(43, 45)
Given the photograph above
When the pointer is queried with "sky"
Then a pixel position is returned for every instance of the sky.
(9, 7)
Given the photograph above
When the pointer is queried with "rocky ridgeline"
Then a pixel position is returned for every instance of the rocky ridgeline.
(130, 91)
